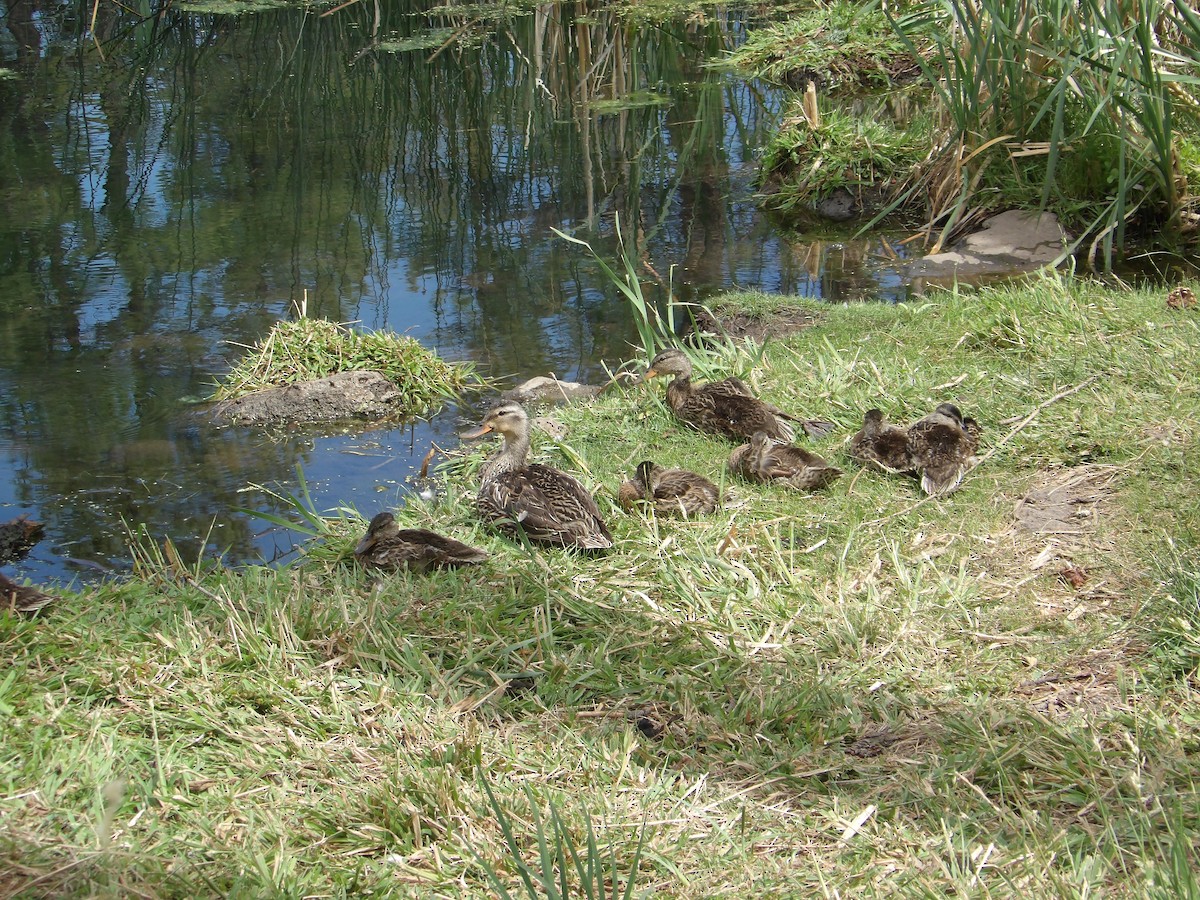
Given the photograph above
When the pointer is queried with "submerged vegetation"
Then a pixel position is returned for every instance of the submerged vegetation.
(851, 692)
(1089, 109)
(305, 348)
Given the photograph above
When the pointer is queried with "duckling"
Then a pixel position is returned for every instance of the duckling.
(881, 444)
(942, 448)
(389, 547)
(724, 407)
(673, 492)
(22, 597)
(546, 504)
(768, 460)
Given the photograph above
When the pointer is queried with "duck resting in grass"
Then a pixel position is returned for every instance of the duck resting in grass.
(545, 504)
(671, 492)
(22, 597)
(724, 407)
(942, 448)
(391, 548)
(938, 449)
(881, 445)
(768, 460)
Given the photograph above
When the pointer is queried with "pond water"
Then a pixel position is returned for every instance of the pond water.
(179, 182)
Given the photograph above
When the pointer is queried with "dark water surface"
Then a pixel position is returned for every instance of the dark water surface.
(172, 188)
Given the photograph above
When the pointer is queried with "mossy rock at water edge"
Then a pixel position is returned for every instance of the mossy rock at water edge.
(314, 370)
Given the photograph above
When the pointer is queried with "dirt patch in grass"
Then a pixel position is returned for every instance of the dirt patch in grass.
(1057, 548)
(1058, 543)
(1088, 685)
(1066, 502)
(758, 326)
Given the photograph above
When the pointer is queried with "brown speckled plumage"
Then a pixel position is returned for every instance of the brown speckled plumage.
(881, 444)
(546, 504)
(22, 597)
(765, 459)
(942, 448)
(722, 407)
(672, 492)
(388, 547)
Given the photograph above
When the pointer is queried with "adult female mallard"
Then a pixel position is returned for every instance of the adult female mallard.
(672, 492)
(881, 445)
(543, 503)
(388, 546)
(723, 407)
(768, 460)
(942, 448)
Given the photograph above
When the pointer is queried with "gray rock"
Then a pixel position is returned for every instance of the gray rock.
(345, 395)
(1009, 243)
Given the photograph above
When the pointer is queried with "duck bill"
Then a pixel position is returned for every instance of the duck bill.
(477, 433)
(651, 373)
(364, 545)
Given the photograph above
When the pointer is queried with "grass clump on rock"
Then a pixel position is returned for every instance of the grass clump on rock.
(306, 349)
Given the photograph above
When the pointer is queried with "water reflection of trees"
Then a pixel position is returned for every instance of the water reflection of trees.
(173, 186)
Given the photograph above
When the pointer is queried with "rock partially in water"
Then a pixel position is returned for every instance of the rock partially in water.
(1008, 243)
(17, 538)
(363, 394)
(840, 206)
(543, 389)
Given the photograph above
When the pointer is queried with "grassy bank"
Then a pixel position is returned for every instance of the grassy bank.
(850, 693)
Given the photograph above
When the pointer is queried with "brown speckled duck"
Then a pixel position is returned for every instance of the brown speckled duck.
(22, 597)
(881, 445)
(942, 448)
(546, 504)
(672, 492)
(723, 407)
(767, 460)
(389, 547)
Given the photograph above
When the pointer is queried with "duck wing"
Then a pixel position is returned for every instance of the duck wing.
(22, 597)
(799, 467)
(735, 387)
(887, 450)
(680, 492)
(433, 549)
(734, 415)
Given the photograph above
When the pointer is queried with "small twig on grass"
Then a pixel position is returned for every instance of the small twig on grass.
(1037, 409)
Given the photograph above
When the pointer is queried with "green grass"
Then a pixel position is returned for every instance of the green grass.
(847, 46)
(805, 162)
(306, 348)
(854, 693)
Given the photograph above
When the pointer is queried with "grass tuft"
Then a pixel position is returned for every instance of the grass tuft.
(305, 349)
